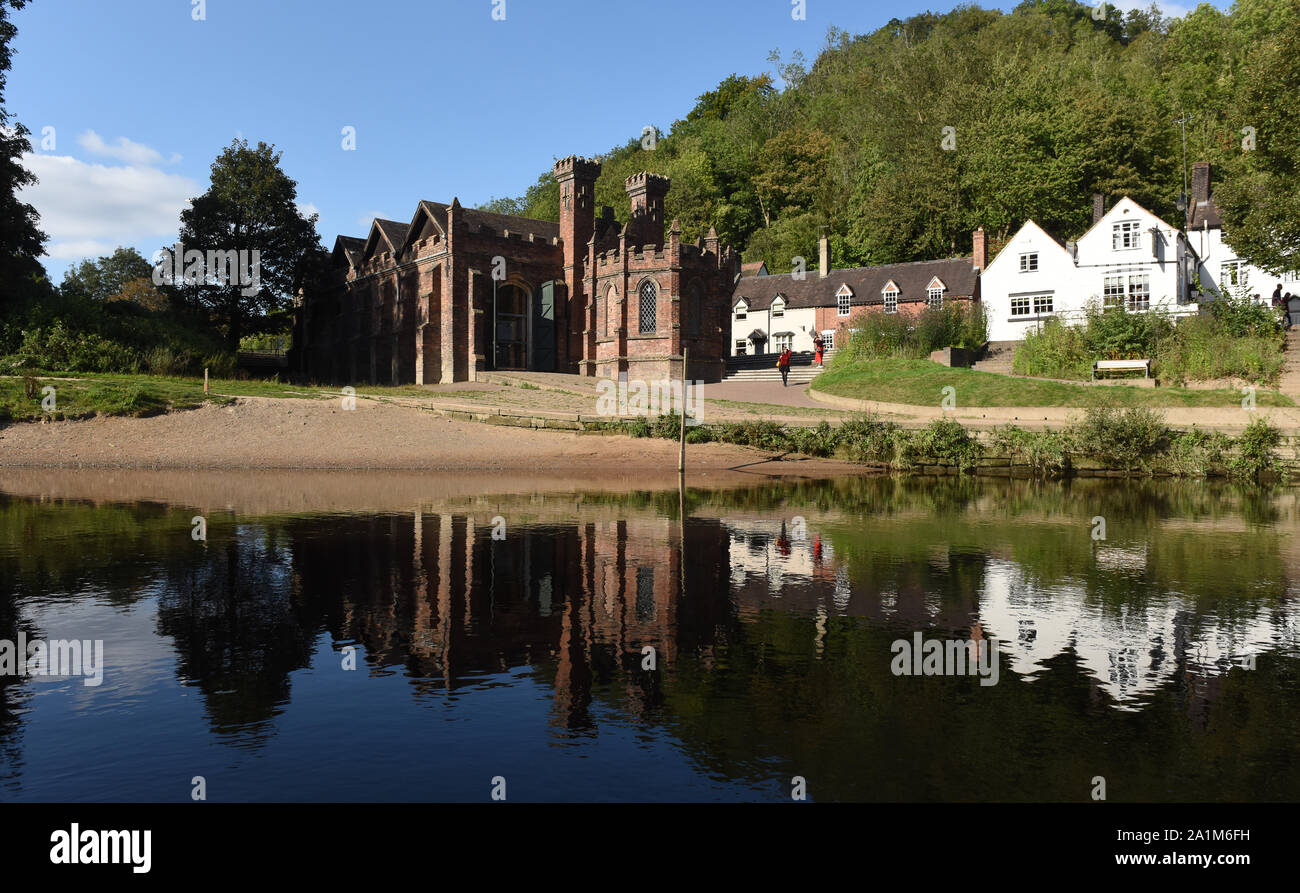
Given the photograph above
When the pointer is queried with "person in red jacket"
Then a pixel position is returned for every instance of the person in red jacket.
(818, 344)
(783, 363)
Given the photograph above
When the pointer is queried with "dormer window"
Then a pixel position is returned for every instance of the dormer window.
(843, 300)
(890, 294)
(934, 293)
(742, 310)
(778, 307)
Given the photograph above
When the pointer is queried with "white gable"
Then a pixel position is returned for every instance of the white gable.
(1029, 239)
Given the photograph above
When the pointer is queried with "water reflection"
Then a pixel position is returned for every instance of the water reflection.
(770, 612)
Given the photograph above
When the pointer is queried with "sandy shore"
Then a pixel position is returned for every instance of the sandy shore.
(266, 434)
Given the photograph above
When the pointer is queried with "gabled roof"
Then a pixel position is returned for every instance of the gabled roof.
(757, 268)
(478, 220)
(866, 284)
(1032, 227)
(348, 249)
(390, 232)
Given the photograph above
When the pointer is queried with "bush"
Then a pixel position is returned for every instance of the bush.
(1255, 449)
(1056, 351)
(1045, 452)
(1125, 437)
(868, 439)
(1204, 347)
(942, 439)
(877, 335)
(57, 349)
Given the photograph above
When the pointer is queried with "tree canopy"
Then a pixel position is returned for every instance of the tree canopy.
(901, 142)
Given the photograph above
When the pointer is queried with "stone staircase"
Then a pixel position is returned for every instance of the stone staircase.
(762, 367)
(999, 357)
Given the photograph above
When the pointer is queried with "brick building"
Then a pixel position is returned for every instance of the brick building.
(458, 291)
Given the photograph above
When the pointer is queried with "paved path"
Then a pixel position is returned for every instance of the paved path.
(762, 392)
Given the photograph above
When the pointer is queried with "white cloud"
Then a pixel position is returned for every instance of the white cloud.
(366, 219)
(90, 209)
(307, 209)
(123, 150)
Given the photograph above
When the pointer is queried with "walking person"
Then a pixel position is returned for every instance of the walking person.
(783, 363)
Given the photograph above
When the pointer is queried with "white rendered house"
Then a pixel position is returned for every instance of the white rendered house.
(1129, 258)
(1220, 268)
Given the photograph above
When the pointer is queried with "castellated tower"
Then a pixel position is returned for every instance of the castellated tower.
(577, 178)
(647, 191)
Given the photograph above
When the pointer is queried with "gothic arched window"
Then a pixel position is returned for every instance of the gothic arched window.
(649, 293)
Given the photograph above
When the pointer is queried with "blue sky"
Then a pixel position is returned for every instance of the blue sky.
(446, 101)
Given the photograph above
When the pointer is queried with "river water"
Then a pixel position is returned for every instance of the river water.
(731, 644)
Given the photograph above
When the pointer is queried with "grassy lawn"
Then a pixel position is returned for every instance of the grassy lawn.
(81, 395)
(919, 383)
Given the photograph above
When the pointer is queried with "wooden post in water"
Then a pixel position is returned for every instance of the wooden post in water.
(681, 451)
(205, 379)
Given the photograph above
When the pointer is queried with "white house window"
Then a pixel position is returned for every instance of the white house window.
(1126, 234)
(741, 311)
(1043, 305)
(890, 294)
(1029, 262)
(1021, 306)
(649, 307)
(778, 307)
(1292, 276)
(742, 348)
(843, 300)
(934, 297)
(783, 342)
(1112, 293)
(1234, 274)
(828, 339)
(1139, 293)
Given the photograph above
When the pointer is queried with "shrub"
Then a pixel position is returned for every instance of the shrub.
(877, 335)
(1056, 351)
(1255, 449)
(1045, 452)
(1126, 437)
(1197, 452)
(942, 439)
(867, 439)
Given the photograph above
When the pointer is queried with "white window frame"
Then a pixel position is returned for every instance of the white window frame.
(843, 301)
(1126, 235)
(890, 296)
(742, 310)
(778, 307)
(781, 342)
(1043, 305)
(1113, 291)
(1138, 297)
(1239, 276)
(742, 347)
(1029, 262)
(1021, 306)
(934, 297)
(828, 340)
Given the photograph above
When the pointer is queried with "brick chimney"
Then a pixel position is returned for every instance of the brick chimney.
(1098, 207)
(981, 250)
(824, 256)
(1200, 184)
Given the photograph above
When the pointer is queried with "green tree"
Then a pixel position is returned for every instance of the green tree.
(1260, 196)
(249, 206)
(21, 241)
(99, 280)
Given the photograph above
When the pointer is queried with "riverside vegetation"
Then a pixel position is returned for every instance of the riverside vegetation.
(1134, 440)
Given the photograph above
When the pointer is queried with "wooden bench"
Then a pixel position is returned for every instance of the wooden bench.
(1121, 366)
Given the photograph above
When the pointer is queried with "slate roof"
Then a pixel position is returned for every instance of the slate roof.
(352, 248)
(757, 268)
(866, 283)
(1206, 212)
(393, 231)
(477, 220)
